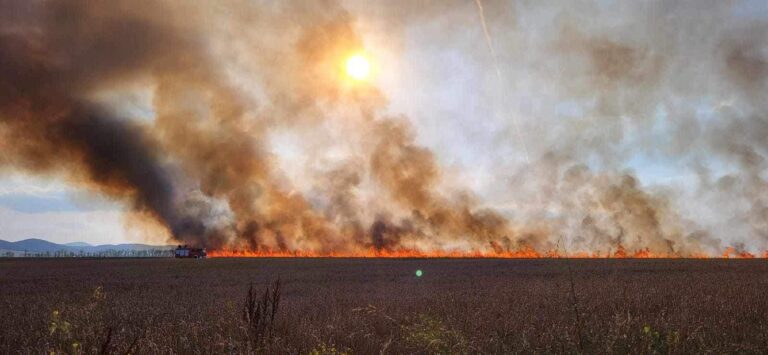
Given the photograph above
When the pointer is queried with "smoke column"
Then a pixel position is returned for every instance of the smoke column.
(256, 141)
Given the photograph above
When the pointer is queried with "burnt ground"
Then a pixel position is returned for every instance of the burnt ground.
(380, 305)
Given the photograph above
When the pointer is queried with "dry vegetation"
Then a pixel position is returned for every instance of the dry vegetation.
(333, 306)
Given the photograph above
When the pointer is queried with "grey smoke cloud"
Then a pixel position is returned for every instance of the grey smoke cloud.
(258, 141)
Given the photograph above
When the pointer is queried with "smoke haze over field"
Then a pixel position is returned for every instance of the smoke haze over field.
(590, 127)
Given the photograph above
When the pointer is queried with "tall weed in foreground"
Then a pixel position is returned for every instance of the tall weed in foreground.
(259, 314)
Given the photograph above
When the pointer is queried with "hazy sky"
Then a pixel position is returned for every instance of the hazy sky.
(544, 94)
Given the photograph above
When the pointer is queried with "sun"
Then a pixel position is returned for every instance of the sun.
(358, 67)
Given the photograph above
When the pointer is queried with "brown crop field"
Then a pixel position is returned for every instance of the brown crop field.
(370, 306)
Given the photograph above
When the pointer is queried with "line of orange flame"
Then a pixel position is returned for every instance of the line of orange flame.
(729, 253)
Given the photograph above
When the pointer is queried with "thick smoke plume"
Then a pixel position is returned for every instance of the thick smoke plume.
(49, 62)
(235, 87)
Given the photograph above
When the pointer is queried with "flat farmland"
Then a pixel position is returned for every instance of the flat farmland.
(371, 306)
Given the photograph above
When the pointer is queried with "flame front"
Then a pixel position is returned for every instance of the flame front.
(523, 253)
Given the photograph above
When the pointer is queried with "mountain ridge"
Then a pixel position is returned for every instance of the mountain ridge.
(37, 245)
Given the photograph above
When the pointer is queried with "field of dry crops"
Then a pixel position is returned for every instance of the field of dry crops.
(332, 306)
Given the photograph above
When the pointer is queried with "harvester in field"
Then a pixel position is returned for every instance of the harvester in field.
(190, 253)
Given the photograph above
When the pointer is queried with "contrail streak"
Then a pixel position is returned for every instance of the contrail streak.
(487, 34)
(489, 42)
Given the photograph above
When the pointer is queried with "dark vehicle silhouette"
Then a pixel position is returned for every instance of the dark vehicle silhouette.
(190, 253)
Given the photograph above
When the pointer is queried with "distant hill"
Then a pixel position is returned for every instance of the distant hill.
(34, 245)
(78, 244)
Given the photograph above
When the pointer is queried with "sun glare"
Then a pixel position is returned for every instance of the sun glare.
(358, 67)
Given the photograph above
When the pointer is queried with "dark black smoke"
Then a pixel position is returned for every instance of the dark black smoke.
(52, 56)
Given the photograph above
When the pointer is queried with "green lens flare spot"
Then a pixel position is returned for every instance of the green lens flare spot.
(419, 273)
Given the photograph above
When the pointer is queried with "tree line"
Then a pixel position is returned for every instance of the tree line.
(109, 253)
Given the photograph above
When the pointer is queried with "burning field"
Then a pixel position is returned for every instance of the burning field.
(390, 306)
(387, 177)
(526, 253)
